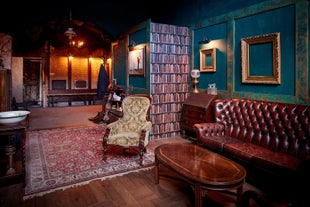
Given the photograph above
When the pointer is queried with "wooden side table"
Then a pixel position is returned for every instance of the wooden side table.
(12, 153)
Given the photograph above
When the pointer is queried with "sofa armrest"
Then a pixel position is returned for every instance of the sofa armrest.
(208, 129)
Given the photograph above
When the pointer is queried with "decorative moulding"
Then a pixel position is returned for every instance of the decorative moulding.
(208, 60)
(250, 72)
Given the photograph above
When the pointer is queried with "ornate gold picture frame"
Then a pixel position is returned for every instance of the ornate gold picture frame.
(272, 42)
(208, 60)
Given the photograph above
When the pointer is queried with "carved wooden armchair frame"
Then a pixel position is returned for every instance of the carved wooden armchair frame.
(133, 129)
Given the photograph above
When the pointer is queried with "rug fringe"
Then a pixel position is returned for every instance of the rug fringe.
(26, 197)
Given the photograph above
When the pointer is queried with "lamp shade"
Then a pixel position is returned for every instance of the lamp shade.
(70, 32)
(195, 73)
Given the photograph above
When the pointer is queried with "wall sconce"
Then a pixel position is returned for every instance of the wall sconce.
(131, 45)
(205, 41)
(70, 57)
(195, 74)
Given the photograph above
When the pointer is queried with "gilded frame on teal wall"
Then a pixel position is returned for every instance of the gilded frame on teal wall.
(208, 60)
(246, 43)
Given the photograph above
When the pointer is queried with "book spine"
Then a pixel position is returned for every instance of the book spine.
(169, 77)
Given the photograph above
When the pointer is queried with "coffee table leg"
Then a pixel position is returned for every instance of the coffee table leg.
(239, 195)
(198, 197)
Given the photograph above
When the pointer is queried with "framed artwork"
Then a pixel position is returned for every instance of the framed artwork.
(208, 60)
(136, 62)
(256, 70)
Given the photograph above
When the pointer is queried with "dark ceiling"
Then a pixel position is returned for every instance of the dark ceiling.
(113, 16)
(31, 23)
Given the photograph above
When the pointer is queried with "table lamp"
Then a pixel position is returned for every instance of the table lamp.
(195, 74)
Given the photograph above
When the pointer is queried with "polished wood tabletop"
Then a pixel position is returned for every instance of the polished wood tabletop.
(204, 169)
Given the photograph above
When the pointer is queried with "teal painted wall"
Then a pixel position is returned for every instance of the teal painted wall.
(187, 12)
(226, 22)
(217, 35)
(138, 37)
(289, 18)
(278, 20)
(119, 71)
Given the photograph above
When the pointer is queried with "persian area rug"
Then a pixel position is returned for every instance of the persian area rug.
(69, 157)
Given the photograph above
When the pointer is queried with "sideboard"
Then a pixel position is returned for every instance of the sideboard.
(197, 108)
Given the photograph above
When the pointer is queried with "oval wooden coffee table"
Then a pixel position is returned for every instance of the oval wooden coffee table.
(201, 168)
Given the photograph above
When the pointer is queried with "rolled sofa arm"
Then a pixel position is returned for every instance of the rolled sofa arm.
(208, 129)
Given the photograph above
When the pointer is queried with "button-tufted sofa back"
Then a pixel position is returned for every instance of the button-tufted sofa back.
(279, 127)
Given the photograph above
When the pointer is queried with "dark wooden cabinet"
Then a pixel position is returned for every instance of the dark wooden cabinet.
(197, 108)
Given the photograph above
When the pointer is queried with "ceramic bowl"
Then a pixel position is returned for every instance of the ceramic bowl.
(13, 117)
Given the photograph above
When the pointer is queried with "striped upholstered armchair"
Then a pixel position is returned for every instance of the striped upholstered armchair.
(133, 129)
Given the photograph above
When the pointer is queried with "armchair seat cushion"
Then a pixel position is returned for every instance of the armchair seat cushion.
(125, 139)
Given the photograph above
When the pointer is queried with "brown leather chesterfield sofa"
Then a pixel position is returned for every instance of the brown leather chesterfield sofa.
(271, 140)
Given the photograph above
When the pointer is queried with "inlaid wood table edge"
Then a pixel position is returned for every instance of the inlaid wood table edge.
(203, 169)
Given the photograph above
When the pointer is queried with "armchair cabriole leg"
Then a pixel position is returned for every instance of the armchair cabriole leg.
(142, 148)
(105, 144)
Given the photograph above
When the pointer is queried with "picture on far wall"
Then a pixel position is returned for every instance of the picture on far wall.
(136, 61)
(261, 59)
(208, 60)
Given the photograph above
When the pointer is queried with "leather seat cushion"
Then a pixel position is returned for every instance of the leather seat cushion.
(218, 142)
(277, 161)
(244, 151)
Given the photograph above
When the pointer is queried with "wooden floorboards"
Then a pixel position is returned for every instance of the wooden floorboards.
(133, 189)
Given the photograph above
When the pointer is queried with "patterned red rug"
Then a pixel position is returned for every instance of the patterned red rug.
(63, 158)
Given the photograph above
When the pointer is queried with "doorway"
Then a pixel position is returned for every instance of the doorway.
(32, 81)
